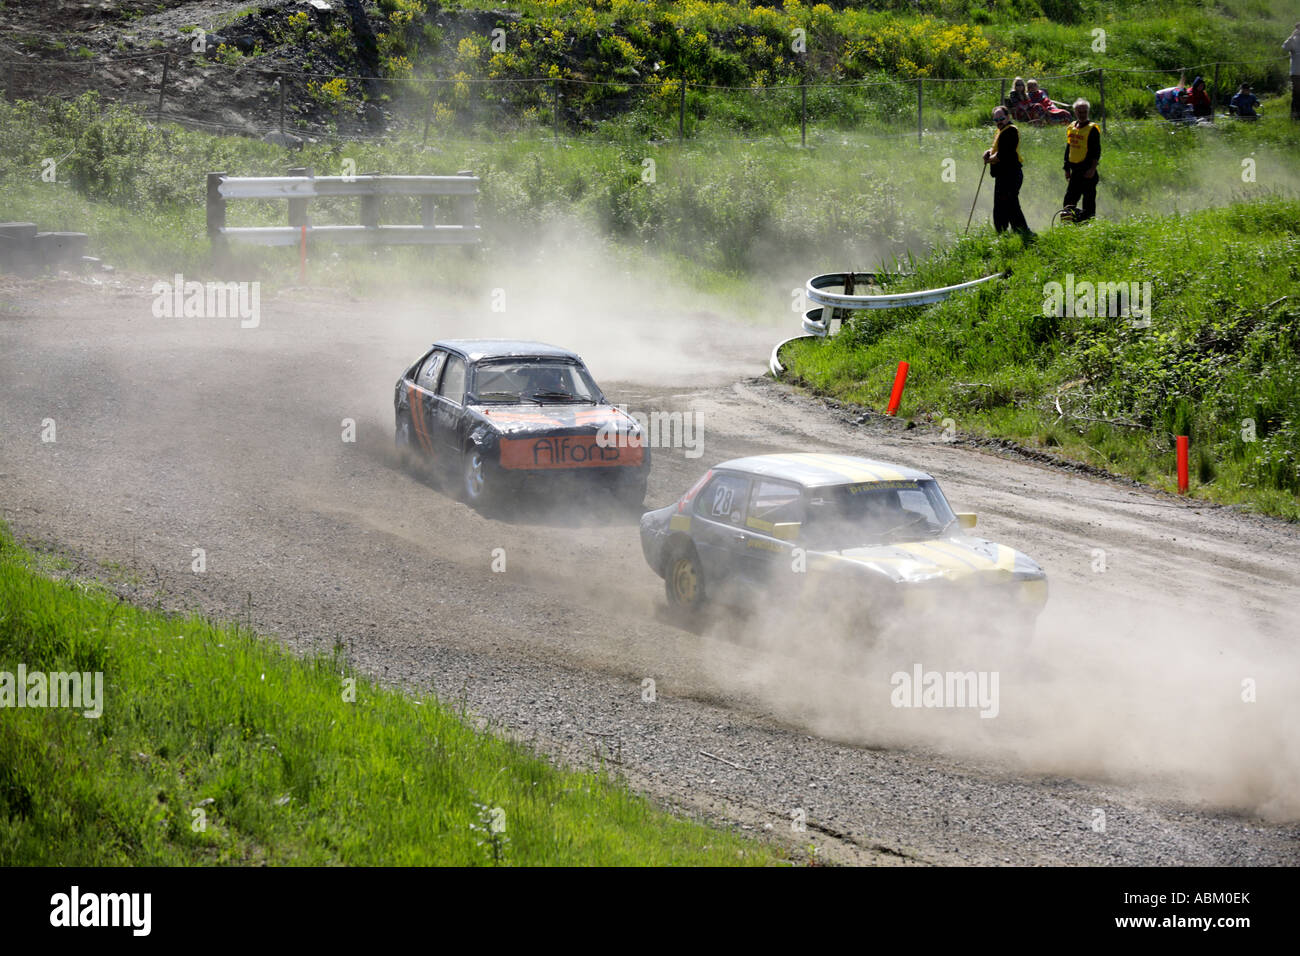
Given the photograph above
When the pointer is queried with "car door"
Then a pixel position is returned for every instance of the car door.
(772, 521)
(448, 405)
(718, 528)
(422, 398)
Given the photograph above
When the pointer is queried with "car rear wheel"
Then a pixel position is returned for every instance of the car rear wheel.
(631, 494)
(684, 580)
(403, 438)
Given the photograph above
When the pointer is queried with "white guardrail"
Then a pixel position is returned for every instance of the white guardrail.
(300, 187)
(838, 305)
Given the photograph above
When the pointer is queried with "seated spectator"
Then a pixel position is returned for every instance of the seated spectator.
(1172, 102)
(1018, 100)
(1244, 103)
(1042, 108)
(1199, 100)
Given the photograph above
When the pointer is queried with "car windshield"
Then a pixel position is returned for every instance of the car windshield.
(534, 381)
(873, 513)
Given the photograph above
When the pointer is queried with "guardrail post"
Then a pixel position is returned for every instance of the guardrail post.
(465, 205)
(370, 208)
(217, 221)
(298, 207)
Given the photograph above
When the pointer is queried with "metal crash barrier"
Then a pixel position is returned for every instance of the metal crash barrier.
(831, 306)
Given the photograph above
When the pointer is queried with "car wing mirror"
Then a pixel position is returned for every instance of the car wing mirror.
(966, 519)
(786, 530)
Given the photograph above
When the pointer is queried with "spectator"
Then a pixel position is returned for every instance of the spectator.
(1292, 46)
(1244, 103)
(1042, 104)
(1199, 100)
(1018, 100)
(1004, 163)
(1082, 155)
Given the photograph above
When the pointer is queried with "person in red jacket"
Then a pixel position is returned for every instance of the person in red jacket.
(1199, 100)
(1082, 154)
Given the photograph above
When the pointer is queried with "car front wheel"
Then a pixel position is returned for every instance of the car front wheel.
(474, 477)
(684, 580)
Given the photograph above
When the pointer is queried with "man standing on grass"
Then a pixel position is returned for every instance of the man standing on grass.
(1003, 161)
(1082, 154)
(1292, 46)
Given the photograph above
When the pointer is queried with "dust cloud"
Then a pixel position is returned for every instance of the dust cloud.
(1194, 703)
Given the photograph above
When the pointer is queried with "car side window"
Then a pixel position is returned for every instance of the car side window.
(452, 385)
(772, 503)
(428, 376)
(723, 499)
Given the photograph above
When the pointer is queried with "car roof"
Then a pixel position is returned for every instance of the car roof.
(818, 471)
(476, 349)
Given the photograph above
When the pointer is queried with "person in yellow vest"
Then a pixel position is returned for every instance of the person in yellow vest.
(1003, 161)
(1082, 154)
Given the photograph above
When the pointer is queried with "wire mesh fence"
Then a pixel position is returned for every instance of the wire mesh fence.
(237, 96)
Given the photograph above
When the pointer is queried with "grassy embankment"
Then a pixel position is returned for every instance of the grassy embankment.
(1220, 361)
(283, 768)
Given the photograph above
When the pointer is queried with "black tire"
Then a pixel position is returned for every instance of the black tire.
(684, 580)
(404, 438)
(475, 484)
(631, 494)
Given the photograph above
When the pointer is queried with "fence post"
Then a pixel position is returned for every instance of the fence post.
(681, 114)
(428, 115)
(1101, 97)
(217, 220)
(1002, 97)
(280, 80)
(555, 110)
(162, 86)
(1214, 96)
(803, 115)
(918, 111)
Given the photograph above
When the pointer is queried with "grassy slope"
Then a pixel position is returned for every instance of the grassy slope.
(295, 774)
(1220, 350)
(616, 43)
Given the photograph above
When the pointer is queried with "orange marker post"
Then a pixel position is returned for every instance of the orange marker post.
(1182, 464)
(896, 396)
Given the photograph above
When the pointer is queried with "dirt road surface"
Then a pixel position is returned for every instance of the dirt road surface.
(1152, 722)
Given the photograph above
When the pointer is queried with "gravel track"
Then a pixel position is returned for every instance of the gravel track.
(182, 434)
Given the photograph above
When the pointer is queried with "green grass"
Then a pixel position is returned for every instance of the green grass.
(1220, 361)
(203, 717)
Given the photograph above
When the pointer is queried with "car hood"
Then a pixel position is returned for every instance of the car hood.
(519, 420)
(956, 558)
